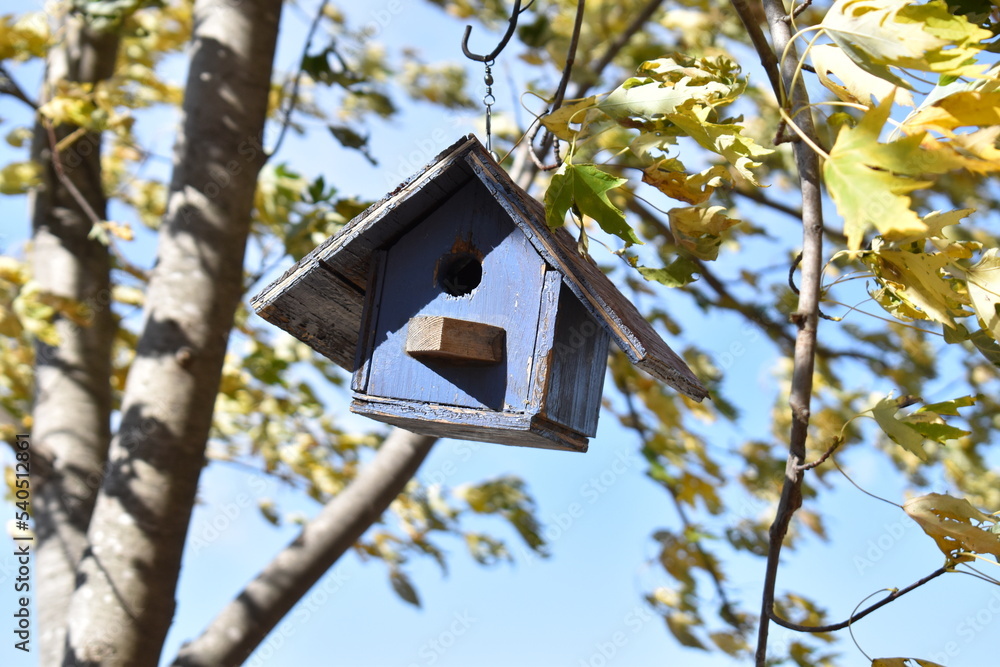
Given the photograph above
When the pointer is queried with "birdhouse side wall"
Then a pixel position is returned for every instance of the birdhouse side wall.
(577, 365)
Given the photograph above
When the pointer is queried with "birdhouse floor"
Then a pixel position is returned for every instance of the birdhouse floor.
(507, 428)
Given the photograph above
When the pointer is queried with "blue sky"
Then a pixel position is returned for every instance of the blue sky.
(583, 606)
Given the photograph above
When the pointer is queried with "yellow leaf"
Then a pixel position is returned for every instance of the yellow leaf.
(961, 109)
(903, 662)
(13, 271)
(984, 290)
(23, 37)
(877, 34)
(690, 188)
(954, 524)
(699, 229)
(859, 86)
(916, 277)
(559, 121)
(19, 177)
(869, 180)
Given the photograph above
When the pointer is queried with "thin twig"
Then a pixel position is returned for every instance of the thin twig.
(9, 87)
(594, 71)
(66, 181)
(560, 94)
(754, 314)
(861, 614)
(294, 100)
(807, 315)
(837, 442)
(616, 46)
(767, 56)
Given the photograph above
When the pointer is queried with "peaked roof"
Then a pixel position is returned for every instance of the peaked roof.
(320, 299)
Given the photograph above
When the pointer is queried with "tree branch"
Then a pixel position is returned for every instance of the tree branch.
(559, 96)
(9, 87)
(767, 57)
(125, 598)
(72, 407)
(807, 316)
(895, 595)
(233, 635)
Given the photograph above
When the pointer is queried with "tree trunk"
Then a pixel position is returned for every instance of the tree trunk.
(71, 415)
(124, 603)
(245, 622)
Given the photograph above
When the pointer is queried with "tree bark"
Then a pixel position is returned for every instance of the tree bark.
(71, 414)
(124, 602)
(246, 621)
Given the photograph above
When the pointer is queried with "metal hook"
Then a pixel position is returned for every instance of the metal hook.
(511, 25)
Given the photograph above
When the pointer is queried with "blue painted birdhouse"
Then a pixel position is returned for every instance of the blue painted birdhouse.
(462, 315)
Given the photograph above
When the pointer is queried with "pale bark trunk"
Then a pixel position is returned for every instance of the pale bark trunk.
(245, 622)
(71, 415)
(124, 603)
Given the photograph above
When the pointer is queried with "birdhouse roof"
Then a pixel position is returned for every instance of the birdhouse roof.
(320, 299)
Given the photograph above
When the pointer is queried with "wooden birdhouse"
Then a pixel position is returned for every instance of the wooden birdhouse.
(462, 315)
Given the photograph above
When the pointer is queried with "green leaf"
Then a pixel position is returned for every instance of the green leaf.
(909, 431)
(348, 138)
(899, 432)
(949, 407)
(987, 346)
(404, 589)
(678, 273)
(586, 188)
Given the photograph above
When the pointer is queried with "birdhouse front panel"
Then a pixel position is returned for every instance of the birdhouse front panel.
(457, 301)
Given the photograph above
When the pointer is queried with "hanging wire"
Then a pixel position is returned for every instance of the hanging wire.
(489, 100)
(488, 60)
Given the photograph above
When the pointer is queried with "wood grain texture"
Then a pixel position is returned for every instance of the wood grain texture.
(627, 327)
(506, 428)
(347, 255)
(578, 362)
(454, 341)
(471, 222)
(366, 336)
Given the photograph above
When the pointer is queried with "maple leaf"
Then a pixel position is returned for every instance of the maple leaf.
(955, 525)
(910, 431)
(869, 180)
(983, 281)
(586, 187)
(879, 34)
(859, 85)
